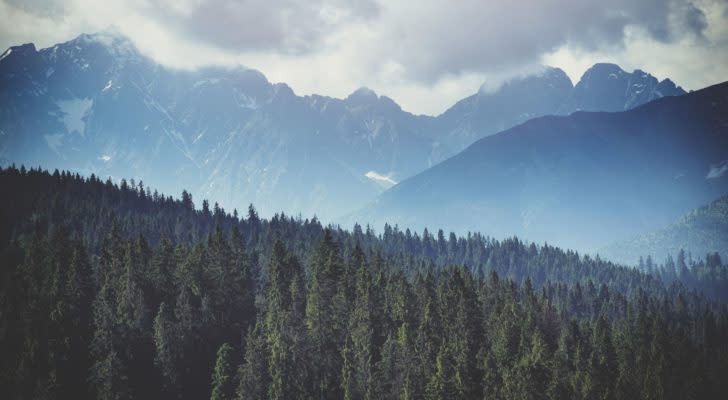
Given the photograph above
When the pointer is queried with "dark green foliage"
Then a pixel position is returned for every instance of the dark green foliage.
(222, 376)
(253, 372)
(325, 318)
(107, 292)
(167, 350)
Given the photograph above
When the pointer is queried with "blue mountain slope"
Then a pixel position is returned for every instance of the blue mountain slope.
(581, 181)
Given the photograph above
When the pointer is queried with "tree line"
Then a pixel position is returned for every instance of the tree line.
(114, 291)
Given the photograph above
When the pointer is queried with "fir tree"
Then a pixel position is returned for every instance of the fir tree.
(222, 376)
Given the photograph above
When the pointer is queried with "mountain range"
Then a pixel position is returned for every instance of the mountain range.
(583, 181)
(95, 104)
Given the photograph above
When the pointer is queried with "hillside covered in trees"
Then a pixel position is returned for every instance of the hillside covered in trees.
(115, 291)
(702, 230)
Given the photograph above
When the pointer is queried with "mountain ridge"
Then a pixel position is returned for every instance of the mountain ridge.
(630, 171)
(95, 104)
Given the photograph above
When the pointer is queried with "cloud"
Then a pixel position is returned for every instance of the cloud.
(692, 62)
(437, 38)
(695, 20)
(424, 55)
(43, 8)
(284, 26)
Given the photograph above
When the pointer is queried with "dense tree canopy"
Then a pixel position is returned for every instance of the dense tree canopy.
(114, 291)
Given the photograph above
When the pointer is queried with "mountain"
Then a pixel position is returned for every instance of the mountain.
(606, 87)
(702, 231)
(603, 87)
(556, 178)
(514, 102)
(96, 105)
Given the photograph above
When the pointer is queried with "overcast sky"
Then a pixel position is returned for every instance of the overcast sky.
(424, 54)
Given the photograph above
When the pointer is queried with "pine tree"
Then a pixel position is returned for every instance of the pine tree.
(428, 335)
(324, 319)
(466, 324)
(442, 384)
(284, 323)
(406, 389)
(222, 376)
(108, 373)
(79, 295)
(604, 360)
(360, 352)
(530, 377)
(131, 309)
(167, 347)
(163, 267)
(559, 386)
(253, 374)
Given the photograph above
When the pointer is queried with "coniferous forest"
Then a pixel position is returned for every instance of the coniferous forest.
(114, 291)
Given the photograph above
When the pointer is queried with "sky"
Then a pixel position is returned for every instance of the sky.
(425, 55)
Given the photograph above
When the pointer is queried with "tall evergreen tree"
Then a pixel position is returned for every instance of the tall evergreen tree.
(324, 319)
(253, 377)
(166, 343)
(360, 353)
(223, 374)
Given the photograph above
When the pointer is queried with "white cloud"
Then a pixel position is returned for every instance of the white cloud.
(425, 57)
(691, 62)
(105, 157)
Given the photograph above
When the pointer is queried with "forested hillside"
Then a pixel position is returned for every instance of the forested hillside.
(703, 230)
(116, 291)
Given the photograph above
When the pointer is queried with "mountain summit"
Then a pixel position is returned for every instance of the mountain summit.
(604, 87)
(607, 87)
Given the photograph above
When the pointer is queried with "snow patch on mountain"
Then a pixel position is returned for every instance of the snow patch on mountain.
(383, 180)
(73, 113)
(7, 53)
(54, 141)
(207, 81)
(245, 101)
(716, 171)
